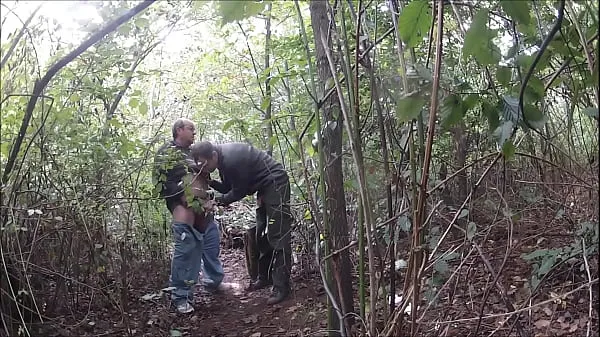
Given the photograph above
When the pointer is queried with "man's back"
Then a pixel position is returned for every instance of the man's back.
(246, 165)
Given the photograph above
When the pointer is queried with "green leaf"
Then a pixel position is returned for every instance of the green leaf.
(534, 116)
(134, 102)
(74, 97)
(143, 108)
(503, 75)
(535, 89)
(471, 101)
(441, 266)
(478, 41)
(452, 111)
(508, 150)
(592, 112)
(175, 333)
(463, 213)
(124, 28)
(518, 10)
(535, 254)
(408, 108)
(471, 230)
(141, 22)
(491, 114)
(228, 124)
(414, 22)
(265, 103)
(532, 113)
(235, 10)
(547, 264)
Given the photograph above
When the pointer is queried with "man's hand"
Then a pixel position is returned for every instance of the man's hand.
(218, 197)
(209, 205)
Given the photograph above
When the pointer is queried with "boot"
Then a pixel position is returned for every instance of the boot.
(258, 284)
(282, 263)
(264, 278)
(278, 297)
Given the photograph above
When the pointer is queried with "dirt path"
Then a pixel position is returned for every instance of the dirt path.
(235, 312)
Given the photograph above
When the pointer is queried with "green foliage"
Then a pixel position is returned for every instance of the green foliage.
(408, 108)
(503, 75)
(414, 22)
(518, 10)
(478, 40)
(453, 110)
(592, 112)
(544, 260)
(508, 150)
(236, 10)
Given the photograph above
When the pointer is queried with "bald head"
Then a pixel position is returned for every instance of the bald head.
(180, 123)
(184, 131)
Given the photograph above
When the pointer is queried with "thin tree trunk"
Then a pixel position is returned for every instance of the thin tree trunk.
(269, 109)
(332, 147)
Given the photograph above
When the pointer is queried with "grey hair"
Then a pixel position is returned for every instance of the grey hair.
(180, 123)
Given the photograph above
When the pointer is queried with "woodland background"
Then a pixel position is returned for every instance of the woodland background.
(445, 185)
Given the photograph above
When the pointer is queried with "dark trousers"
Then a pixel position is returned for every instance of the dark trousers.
(258, 251)
(273, 236)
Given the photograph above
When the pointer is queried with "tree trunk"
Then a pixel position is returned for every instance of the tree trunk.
(332, 145)
(460, 140)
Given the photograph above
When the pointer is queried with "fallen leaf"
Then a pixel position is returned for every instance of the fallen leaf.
(548, 311)
(573, 328)
(291, 309)
(256, 334)
(542, 323)
(251, 319)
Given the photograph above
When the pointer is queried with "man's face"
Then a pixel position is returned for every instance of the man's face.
(185, 134)
(209, 164)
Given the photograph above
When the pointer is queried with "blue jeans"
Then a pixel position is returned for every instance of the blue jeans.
(212, 269)
(194, 251)
(185, 266)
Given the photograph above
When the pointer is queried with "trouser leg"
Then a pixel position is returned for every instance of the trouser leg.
(185, 265)
(265, 251)
(278, 233)
(212, 269)
(265, 258)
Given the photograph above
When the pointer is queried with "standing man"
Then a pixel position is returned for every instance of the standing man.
(196, 244)
(245, 170)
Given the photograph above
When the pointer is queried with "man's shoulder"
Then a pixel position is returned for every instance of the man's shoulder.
(236, 148)
(166, 147)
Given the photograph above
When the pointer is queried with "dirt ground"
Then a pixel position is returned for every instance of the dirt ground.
(232, 312)
(237, 313)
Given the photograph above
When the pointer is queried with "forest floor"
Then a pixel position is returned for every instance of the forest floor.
(231, 312)
(561, 306)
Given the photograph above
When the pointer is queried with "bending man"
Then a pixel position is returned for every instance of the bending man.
(195, 233)
(245, 170)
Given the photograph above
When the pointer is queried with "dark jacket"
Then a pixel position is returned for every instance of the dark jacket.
(245, 170)
(171, 165)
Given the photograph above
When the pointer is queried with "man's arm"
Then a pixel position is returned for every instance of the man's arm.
(235, 194)
(219, 186)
